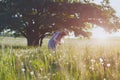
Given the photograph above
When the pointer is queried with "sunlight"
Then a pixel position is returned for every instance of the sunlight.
(98, 32)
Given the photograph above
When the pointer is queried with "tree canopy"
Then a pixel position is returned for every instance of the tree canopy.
(34, 18)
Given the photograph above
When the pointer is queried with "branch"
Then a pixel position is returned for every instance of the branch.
(23, 33)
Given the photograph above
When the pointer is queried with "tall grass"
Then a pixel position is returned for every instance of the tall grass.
(74, 60)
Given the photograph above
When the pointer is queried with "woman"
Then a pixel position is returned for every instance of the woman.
(56, 39)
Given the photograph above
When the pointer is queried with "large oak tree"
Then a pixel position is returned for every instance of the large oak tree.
(34, 18)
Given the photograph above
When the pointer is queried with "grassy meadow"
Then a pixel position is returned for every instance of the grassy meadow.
(75, 59)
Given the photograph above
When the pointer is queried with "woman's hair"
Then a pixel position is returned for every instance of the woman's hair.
(64, 33)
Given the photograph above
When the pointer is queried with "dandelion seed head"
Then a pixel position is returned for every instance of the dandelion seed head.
(102, 63)
(32, 72)
(23, 69)
(45, 77)
(53, 74)
(50, 54)
(41, 69)
(54, 52)
(49, 74)
(101, 60)
(93, 61)
(19, 55)
(55, 62)
(67, 63)
(108, 65)
(27, 56)
(53, 14)
(92, 68)
(38, 74)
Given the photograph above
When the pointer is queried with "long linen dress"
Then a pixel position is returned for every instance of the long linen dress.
(55, 39)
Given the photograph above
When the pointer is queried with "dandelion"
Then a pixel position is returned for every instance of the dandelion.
(23, 69)
(67, 63)
(45, 77)
(32, 72)
(93, 61)
(30, 52)
(27, 56)
(53, 14)
(19, 55)
(38, 74)
(54, 52)
(53, 74)
(92, 68)
(108, 65)
(55, 62)
(50, 54)
(41, 69)
(49, 74)
(101, 60)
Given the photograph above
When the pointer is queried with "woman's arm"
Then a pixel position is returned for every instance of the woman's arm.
(55, 38)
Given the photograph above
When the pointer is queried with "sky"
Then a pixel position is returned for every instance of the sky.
(114, 3)
(99, 32)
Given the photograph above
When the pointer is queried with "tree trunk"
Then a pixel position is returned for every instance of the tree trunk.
(32, 37)
(41, 39)
(32, 41)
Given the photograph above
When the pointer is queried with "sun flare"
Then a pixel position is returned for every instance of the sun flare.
(99, 33)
